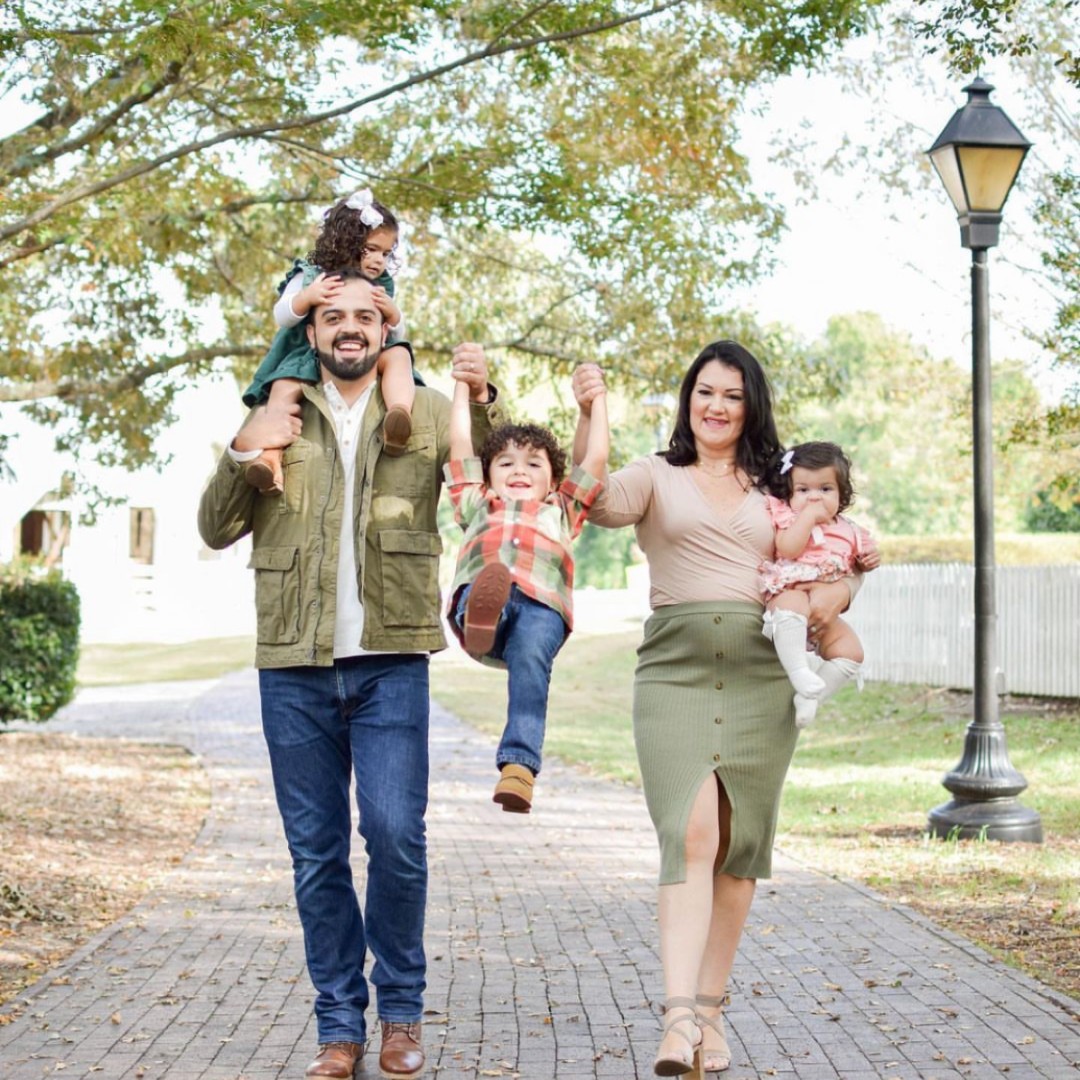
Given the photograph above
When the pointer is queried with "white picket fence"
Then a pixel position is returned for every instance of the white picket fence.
(917, 624)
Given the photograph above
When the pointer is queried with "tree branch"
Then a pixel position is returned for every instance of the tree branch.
(519, 21)
(72, 389)
(31, 249)
(517, 345)
(67, 115)
(28, 162)
(255, 131)
(236, 205)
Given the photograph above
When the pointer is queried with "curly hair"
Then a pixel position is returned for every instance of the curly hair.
(342, 237)
(527, 436)
(814, 455)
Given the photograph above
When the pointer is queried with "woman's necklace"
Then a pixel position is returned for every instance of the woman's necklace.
(724, 468)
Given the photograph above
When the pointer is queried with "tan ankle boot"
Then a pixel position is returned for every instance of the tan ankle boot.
(514, 789)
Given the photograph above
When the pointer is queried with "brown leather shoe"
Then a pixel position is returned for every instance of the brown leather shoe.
(401, 1057)
(337, 1059)
(397, 428)
(484, 608)
(265, 473)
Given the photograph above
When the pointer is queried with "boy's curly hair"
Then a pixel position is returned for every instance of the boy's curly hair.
(813, 455)
(343, 236)
(528, 436)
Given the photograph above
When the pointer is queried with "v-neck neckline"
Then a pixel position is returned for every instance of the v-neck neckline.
(725, 515)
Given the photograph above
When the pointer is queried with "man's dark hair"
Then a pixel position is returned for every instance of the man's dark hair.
(814, 455)
(527, 436)
(350, 273)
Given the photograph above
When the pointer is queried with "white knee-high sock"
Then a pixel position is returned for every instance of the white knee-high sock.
(834, 674)
(789, 637)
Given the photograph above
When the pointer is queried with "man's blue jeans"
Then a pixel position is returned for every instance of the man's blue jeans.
(369, 716)
(528, 638)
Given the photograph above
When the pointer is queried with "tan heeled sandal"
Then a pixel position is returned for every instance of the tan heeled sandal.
(713, 1058)
(681, 1064)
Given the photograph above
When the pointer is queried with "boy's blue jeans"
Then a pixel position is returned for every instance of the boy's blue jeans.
(369, 716)
(527, 640)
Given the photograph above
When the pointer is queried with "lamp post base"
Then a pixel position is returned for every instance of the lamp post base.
(990, 819)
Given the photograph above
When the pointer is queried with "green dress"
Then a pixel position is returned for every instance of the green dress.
(290, 355)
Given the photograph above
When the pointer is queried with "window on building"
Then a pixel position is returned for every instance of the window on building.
(44, 534)
(142, 534)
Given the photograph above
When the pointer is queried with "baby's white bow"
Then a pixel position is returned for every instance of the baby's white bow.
(362, 200)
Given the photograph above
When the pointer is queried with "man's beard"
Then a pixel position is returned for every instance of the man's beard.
(349, 370)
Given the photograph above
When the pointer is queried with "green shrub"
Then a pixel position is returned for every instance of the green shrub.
(1010, 549)
(39, 644)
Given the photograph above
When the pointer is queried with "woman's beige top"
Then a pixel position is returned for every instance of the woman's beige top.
(695, 551)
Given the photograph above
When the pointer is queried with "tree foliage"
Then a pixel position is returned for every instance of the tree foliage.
(973, 32)
(1034, 46)
(1042, 42)
(172, 158)
(904, 418)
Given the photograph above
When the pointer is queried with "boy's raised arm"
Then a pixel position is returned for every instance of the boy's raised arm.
(461, 446)
(597, 438)
(588, 384)
(470, 385)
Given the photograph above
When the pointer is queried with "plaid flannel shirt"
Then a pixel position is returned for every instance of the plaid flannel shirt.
(532, 538)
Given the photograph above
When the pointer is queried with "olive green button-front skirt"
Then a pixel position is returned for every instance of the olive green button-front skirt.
(710, 696)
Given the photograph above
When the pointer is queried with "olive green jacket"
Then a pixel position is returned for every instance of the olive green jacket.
(296, 535)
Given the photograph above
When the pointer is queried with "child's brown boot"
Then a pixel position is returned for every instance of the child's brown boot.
(265, 473)
(396, 429)
(487, 598)
(514, 789)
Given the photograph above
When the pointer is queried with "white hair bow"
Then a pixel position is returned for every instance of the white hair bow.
(785, 461)
(362, 200)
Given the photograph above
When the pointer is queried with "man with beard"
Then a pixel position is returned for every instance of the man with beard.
(346, 587)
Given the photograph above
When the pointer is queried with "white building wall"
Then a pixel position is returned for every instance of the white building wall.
(187, 592)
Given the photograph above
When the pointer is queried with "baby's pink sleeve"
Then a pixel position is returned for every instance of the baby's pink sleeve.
(864, 540)
(781, 514)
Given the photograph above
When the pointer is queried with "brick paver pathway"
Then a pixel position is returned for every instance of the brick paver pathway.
(541, 944)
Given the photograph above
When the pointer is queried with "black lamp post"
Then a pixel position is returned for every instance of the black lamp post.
(978, 156)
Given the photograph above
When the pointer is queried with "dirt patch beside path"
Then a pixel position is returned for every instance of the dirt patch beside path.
(87, 828)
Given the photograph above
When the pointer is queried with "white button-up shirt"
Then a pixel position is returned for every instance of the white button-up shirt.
(349, 618)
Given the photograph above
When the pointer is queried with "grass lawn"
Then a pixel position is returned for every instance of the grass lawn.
(855, 805)
(115, 665)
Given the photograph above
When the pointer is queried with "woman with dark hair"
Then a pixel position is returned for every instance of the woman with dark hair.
(713, 718)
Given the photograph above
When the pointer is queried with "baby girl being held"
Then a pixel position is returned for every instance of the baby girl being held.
(814, 543)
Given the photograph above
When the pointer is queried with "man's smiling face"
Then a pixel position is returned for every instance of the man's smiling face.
(348, 333)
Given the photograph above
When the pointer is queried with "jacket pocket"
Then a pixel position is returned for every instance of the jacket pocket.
(410, 577)
(291, 501)
(277, 594)
(413, 473)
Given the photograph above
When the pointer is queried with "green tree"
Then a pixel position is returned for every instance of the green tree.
(173, 157)
(1041, 42)
(904, 418)
(1055, 510)
(1033, 47)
